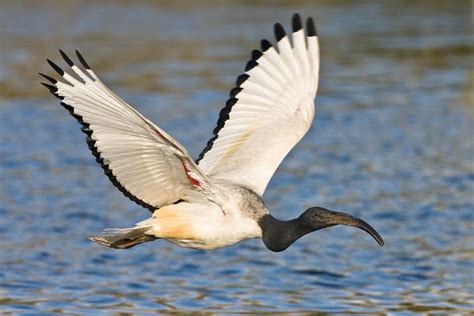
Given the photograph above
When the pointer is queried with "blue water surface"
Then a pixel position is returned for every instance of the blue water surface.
(392, 142)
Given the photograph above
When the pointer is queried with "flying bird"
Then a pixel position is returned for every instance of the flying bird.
(215, 201)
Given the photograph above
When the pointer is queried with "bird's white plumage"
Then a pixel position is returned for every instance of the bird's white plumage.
(217, 203)
(147, 162)
(274, 109)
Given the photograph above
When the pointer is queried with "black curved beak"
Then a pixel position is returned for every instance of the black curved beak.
(327, 218)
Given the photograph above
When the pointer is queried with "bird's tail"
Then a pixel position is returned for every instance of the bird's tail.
(123, 238)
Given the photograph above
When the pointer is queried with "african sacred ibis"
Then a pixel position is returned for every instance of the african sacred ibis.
(215, 201)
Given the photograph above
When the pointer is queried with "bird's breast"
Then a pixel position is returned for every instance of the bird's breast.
(214, 234)
(203, 226)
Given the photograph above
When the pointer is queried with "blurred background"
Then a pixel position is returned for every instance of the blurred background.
(392, 142)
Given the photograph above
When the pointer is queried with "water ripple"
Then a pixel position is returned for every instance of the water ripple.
(391, 143)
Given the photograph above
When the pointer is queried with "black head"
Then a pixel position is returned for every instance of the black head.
(279, 235)
(320, 217)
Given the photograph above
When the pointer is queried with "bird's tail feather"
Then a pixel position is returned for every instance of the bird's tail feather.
(123, 238)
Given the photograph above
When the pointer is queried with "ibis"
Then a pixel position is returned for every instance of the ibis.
(216, 200)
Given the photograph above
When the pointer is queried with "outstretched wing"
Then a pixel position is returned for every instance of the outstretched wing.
(142, 160)
(268, 112)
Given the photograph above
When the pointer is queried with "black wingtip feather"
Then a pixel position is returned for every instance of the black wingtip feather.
(265, 45)
(296, 22)
(90, 142)
(256, 54)
(53, 92)
(231, 102)
(66, 58)
(241, 79)
(82, 60)
(52, 80)
(311, 29)
(234, 91)
(51, 88)
(87, 131)
(279, 31)
(69, 108)
(55, 67)
(251, 64)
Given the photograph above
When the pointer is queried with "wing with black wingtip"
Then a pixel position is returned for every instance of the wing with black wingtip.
(142, 160)
(269, 111)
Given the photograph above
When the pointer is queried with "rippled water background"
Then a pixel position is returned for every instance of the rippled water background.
(392, 143)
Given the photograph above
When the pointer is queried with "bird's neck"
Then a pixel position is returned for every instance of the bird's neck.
(279, 235)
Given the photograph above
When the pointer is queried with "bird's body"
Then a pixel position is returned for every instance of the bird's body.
(207, 225)
(215, 201)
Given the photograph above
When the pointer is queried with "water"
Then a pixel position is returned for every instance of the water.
(392, 143)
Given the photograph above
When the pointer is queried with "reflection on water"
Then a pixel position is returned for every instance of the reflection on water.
(392, 143)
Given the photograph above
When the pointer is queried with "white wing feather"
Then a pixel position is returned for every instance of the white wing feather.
(271, 109)
(142, 160)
